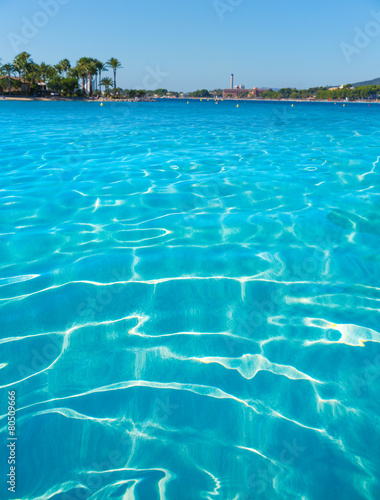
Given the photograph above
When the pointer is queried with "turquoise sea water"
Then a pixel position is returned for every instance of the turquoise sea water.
(189, 300)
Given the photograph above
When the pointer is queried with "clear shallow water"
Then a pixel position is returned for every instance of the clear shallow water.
(189, 300)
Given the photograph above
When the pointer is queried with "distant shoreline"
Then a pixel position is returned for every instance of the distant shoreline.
(71, 99)
(377, 101)
(103, 100)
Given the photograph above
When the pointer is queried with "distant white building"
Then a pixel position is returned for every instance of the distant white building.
(336, 88)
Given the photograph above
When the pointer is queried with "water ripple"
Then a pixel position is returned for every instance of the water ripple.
(189, 299)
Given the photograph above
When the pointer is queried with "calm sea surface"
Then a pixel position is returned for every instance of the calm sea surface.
(189, 300)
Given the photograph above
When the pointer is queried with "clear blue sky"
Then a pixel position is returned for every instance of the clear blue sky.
(265, 44)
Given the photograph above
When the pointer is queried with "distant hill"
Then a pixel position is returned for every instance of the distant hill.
(376, 81)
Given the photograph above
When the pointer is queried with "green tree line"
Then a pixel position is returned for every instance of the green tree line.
(62, 77)
(69, 80)
(325, 93)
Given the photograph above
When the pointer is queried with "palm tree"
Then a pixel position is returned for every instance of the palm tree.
(81, 68)
(44, 70)
(64, 66)
(107, 82)
(52, 72)
(87, 69)
(33, 74)
(22, 63)
(9, 69)
(92, 70)
(115, 65)
(100, 67)
(73, 73)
